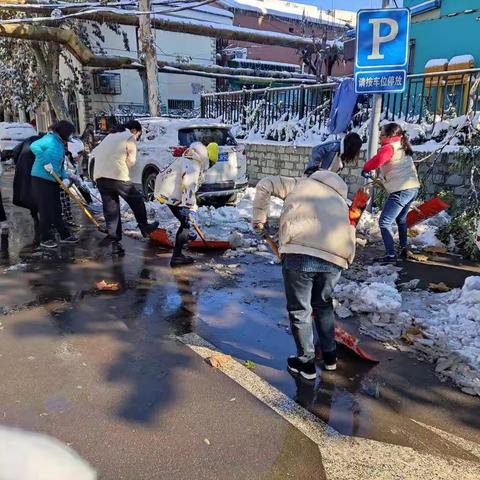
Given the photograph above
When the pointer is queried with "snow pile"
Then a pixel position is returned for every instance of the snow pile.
(444, 327)
(425, 233)
(376, 299)
(216, 223)
(450, 323)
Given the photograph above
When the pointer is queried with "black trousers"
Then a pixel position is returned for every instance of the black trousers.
(183, 231)
(111, 191)
(47, 198)
(3, 215)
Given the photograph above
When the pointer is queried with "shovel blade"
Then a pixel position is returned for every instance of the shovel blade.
(160, 236)
(351, 342)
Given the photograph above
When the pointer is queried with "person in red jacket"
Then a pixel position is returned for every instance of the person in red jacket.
(399, 177)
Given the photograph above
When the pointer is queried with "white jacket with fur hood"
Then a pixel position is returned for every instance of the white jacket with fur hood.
(314, 220)
(177, 183)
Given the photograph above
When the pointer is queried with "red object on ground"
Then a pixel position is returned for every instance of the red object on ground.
(160, 236)
(428, 209)
(351, 342)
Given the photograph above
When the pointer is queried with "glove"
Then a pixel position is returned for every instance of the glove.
(49, 168)
(67, 182)
(74, 178)
(259, 230)
(192, 216)
(366, 175)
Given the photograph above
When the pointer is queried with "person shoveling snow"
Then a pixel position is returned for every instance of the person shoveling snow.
(317, 241)
(176, 186)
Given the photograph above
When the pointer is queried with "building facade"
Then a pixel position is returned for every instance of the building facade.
(283, 17)
(442, 30)
(122, 91)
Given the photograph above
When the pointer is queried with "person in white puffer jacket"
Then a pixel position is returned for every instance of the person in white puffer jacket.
(176, 186)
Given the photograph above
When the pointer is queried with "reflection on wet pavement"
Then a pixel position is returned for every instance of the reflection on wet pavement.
(240, 310)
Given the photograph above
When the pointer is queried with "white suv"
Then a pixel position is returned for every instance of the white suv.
(11, 134)
(164, 139)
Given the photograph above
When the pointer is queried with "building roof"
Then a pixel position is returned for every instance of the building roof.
(281, 8)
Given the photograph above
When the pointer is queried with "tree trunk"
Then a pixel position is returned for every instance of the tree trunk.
(48, 65)
(149, 58)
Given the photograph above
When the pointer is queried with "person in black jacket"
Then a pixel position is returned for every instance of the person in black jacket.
(23, 158)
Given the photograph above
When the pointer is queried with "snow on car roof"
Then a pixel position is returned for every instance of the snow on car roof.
(164, 130)
(16, 131)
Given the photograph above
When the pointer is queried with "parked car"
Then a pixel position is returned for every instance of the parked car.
(11, 134)
(165, 138)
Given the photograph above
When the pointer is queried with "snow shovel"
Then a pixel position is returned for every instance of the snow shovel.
(160, 236)
(341, 336)
(426, 210)
(79, 203)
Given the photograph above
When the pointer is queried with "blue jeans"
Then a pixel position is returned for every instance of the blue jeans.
(309, 292)
(396, 210)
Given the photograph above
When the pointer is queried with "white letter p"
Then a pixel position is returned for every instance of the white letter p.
(378, 39)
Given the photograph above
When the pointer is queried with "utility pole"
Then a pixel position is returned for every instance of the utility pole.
(375, 114)
(149, 58)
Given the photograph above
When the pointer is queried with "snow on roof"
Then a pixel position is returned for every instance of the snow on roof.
(264, 62)
(280, 8)
(436, 62)
(232, 28)
(459, 59)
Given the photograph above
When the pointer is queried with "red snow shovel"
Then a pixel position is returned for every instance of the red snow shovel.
(341, 336)
(160, 236)
(428, 209)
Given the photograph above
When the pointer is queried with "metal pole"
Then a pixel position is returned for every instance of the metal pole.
(376, 113)
(149, 58)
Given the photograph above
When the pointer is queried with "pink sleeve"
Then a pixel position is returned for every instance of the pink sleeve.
(381, 158)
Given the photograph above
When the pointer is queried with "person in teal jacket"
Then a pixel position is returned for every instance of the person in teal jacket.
(49, 154)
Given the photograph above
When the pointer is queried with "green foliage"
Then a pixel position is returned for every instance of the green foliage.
(462, 229)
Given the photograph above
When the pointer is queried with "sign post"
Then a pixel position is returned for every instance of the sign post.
(381, 59)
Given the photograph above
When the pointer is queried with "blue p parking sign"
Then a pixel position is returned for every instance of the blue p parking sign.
(382, 50)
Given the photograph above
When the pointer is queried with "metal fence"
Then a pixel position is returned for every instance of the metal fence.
(261, 108)
(427, 98)
(432, 97)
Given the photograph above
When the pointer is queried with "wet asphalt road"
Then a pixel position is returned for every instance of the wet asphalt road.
(144, 403)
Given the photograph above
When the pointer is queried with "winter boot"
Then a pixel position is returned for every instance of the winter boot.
(117, 249)
(387, 259)
(181, 260)
(148, 228)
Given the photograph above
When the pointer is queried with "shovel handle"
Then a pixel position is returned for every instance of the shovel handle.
(77, 201)
(200, 233)
(272, 244)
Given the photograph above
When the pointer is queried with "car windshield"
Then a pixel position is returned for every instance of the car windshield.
(222, 136)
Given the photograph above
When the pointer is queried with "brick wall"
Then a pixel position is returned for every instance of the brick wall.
(290, 161)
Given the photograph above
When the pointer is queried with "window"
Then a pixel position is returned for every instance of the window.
(222, 136)
(291, 30)
(107, 83)
(411, 54)
(180, 104)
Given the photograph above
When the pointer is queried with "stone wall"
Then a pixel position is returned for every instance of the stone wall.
(272, 159)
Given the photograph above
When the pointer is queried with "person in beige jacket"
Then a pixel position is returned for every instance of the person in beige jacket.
(114, 157)
(316, 242)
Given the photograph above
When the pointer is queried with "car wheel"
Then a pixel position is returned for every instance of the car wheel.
(149, 185)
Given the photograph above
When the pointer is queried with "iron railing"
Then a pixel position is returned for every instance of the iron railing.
(261, 108)
(429, 98)
(432, 97)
